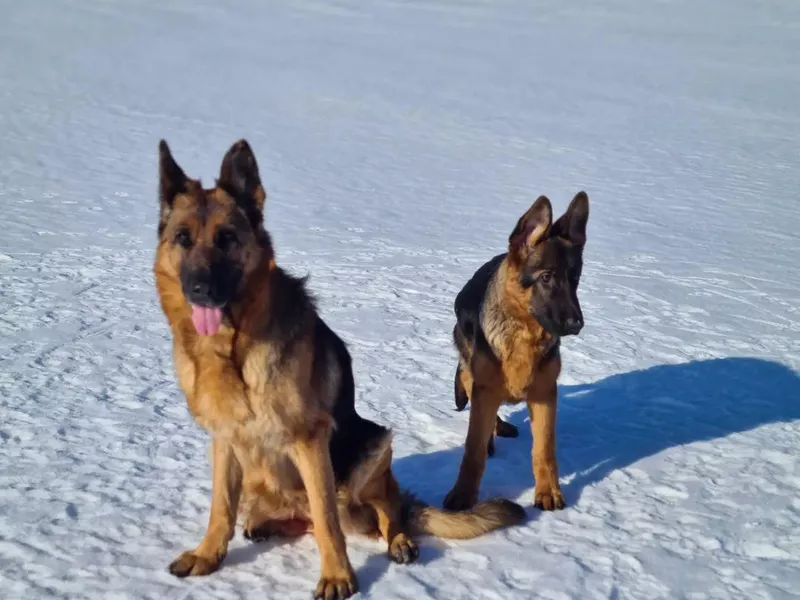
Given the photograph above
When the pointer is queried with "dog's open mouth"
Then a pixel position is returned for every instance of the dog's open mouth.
(207, 319)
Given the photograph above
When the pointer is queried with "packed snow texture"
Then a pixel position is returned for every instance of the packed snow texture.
(399, 143)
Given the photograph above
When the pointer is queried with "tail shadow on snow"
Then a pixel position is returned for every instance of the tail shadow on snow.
(616, 421)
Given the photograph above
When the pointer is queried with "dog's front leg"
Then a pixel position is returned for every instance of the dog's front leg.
(481, 423)
(542, 405)
(225, 492)
(488, 393)
(312, 458)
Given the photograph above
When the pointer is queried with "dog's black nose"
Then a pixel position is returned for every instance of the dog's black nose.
(573, 326)
(200, 288)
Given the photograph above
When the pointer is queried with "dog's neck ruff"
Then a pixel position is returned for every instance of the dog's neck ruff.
(260, 279)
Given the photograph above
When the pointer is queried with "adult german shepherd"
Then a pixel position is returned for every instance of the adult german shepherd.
(273, 385)
(510, 318)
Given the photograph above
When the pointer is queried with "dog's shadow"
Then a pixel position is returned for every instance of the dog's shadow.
(616, 421)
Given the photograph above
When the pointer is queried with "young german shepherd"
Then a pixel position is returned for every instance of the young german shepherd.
(509, 319)
(273, 385)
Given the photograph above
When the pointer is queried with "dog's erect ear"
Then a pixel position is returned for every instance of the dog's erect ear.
(171, 182)
(572, 224)
(532, 227)
(239, 175)
(172, 179)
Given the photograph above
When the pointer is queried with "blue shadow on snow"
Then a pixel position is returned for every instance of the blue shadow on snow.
(616, 421)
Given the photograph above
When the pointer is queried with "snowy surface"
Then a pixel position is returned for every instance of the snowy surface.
(399, 142)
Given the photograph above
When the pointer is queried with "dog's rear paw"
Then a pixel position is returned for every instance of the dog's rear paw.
(505, 429)
(336, 588)
(403, 550)
(549, 500)
(257, 534)
(191, 564)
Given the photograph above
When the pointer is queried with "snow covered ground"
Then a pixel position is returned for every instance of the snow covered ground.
(399, 142)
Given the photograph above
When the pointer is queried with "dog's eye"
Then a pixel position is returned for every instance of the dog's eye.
(546, 277)
(226, 239)
(183, 238)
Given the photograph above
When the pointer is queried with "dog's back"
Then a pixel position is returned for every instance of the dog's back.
(470, 300)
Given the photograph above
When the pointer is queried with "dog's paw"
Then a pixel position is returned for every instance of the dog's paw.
(403, 549)
(257, 534)
(336, 588)
(457, 500)
(505, 429)
(550, 499)
(191, 564)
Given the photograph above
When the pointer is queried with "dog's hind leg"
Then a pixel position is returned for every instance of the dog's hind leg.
(387, 505)
(373, 484)
(502, 429)
(268, 517)
(505, 429)
(462, 382)
(459, 389)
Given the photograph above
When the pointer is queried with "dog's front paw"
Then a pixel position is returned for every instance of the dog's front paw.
(403, 549)
(457, 500)
(336, 587)
(548, 499)
(192, 564)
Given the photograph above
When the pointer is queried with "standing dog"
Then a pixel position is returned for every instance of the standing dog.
(510, 318)
(273, 385)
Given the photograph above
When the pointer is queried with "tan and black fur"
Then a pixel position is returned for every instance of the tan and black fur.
(273, 385)
(510, 317)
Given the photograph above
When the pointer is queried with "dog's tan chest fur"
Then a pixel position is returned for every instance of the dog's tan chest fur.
(516, 339)
(251, 419)
(233, 403)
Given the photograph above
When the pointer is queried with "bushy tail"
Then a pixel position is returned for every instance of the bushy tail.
(421, 518)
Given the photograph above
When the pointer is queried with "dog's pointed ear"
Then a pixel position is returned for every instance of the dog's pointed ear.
(171, 182)
(572, 224)
(172, 179)
(532, 227)
(239, 175)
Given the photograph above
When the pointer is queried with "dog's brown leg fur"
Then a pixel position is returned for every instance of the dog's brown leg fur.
(488, 393)
(542, 404)
(226, 490)
(313, 462)
(385, 499)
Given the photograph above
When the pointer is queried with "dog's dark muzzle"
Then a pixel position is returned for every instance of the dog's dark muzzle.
(201, 290)
(572, 327)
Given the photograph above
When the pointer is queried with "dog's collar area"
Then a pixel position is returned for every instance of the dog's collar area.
(551, 345)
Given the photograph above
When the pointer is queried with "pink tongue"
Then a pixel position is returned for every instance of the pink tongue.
(206, 320)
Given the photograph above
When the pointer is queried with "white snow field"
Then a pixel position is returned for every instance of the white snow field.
(399, 143)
